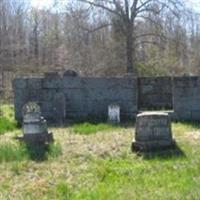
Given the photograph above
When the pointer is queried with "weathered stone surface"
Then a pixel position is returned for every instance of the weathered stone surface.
(70, 73)
(34, 126)
(34, 83)
(155, 92)
(114, 113)
(20, 83)
(52, 75)
(52, 83)
(186, 98)
(153, 131)
(77, 96)
(92, 95)
(59, 108)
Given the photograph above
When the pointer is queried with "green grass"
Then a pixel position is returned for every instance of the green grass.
(7, 121)
(7, 111)
(89, 128)
(101, 166)
(12, 152)
(7, 125)
(86, 163)
(15, 151)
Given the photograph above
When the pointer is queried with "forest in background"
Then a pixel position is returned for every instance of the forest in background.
(90, 40)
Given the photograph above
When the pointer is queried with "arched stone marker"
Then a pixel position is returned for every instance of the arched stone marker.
(153, 132)
(34, 126)
(114, 114)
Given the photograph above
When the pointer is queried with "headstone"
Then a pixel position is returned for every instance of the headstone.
(34, 125)
(114, 113)
(153, 131)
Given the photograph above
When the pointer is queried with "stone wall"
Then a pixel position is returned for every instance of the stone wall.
(186, 98)
(74, 97)
(81, 98)
(154, 93)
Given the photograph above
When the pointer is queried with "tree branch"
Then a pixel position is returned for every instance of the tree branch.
(100, 6)
(143, 4)
(149, 19)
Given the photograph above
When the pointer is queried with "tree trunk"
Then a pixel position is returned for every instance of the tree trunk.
(130, 52)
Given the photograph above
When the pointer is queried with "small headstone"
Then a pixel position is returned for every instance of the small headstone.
(153, 131)
(114, 113)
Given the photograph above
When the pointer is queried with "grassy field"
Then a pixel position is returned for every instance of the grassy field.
(91, 163)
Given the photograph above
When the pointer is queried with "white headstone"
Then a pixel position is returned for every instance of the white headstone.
(114, 113)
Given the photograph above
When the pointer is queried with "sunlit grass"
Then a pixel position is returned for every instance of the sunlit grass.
(89, 128)
(12, 152)
(86, 163)
(7, 125)
(7, 121)
(15, 151)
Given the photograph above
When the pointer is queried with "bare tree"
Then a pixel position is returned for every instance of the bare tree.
(128, 11)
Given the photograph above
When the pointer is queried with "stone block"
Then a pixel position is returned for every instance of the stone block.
(185, 81)
(34, 95)
(195, 115)
(183, 114)
(55, 83)
(46, 107)
(147, 89)
(52, 75)
(152, 145)
(152, 129)
(162, 133)
(76, 93)
(73, 82)
(34, 83)
(115, 94)
(47, 94)
(109, 83)
(20, 83)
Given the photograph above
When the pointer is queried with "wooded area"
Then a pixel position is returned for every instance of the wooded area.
(100, 38)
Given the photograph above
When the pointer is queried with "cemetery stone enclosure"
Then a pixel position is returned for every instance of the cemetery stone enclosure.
(82, 98)
(77, 98)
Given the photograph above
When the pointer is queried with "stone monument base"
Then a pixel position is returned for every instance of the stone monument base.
(153, 132)
(37, 139)
(152, 145)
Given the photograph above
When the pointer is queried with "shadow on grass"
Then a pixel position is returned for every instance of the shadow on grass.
(42, 152)
(38, 153)
(167, 153)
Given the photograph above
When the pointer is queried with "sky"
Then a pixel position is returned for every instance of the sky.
(195, 4)
(41, 3)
